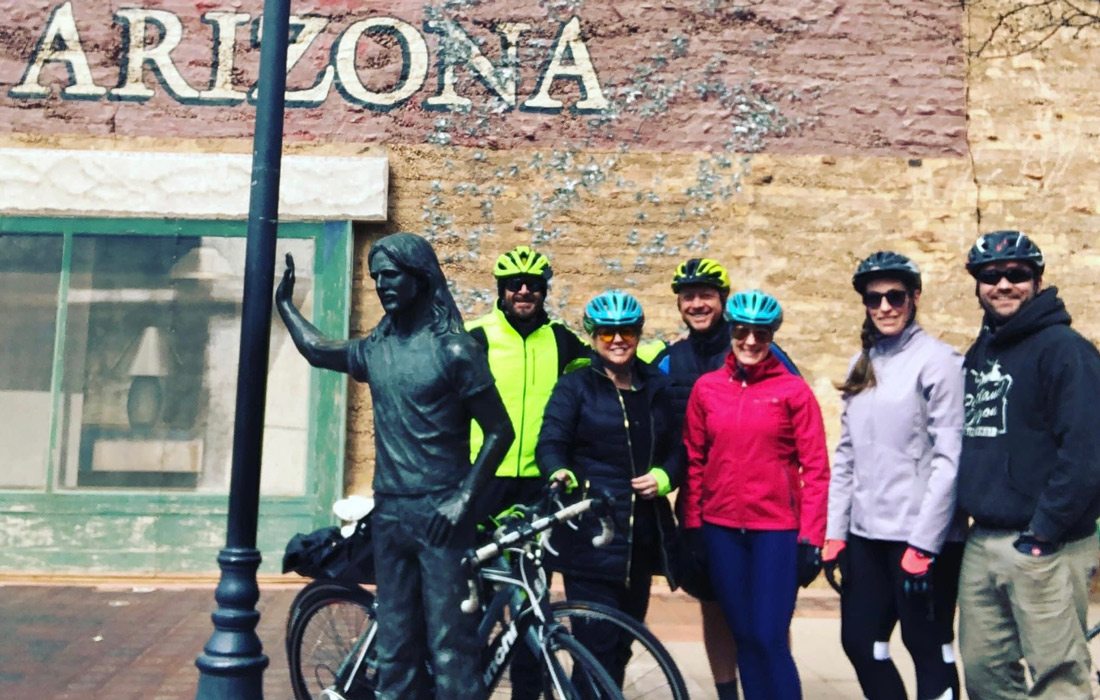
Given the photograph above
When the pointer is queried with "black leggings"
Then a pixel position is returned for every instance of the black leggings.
(873, 601)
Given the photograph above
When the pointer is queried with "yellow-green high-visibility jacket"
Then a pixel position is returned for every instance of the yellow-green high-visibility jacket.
(525, 370)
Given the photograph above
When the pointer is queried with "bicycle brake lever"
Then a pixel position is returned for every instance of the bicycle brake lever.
(607, 531)
(544, 542)
(472, 602)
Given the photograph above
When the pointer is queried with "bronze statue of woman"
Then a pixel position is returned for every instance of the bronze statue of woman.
(428, 378)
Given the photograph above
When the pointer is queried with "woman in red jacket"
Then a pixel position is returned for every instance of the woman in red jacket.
(758, 473)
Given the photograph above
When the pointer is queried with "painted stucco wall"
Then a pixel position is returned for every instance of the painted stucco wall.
(787, 139)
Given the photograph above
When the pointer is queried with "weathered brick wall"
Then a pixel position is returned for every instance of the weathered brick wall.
(787, 139)
(797, 230)
(854, 76)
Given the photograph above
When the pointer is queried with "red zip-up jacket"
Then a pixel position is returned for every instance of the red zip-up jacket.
(756, 451)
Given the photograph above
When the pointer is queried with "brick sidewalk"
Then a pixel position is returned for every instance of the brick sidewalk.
(82, 642)
(85, 642)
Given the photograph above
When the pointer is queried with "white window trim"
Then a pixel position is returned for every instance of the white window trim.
(48, 182)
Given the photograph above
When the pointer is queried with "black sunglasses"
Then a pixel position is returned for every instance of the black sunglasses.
(1015, 275)
(533, 284)
(895, 298)
(762, 334)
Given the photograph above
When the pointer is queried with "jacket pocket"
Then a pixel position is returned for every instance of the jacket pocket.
(1026, 476)
(988, 492)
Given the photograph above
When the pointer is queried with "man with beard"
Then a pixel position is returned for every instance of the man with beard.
(427, 379)
(1029, 476)
(701, 286)
(527, 353)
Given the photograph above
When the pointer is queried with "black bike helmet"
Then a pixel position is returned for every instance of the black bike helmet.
(1003, 246)
(886, 263)
(701, 271)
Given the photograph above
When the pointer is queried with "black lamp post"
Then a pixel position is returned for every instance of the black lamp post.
(232, 663)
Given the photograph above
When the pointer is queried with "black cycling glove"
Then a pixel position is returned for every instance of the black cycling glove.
(916, 568)
(808, 564)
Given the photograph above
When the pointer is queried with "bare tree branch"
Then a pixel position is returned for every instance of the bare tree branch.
(1025, 26)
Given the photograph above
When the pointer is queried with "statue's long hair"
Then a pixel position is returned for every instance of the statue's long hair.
(414, 255)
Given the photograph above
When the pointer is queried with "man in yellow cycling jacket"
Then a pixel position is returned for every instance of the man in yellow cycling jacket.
(527, 353)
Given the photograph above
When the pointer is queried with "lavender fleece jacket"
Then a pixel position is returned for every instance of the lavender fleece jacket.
(896, 465)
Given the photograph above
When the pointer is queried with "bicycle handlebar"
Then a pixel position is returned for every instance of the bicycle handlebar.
(526, 530)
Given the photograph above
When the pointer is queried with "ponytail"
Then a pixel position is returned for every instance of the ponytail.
(862, 375)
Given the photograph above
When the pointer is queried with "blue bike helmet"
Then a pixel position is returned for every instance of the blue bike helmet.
(1002, 246)
(753, 307)
(610, 309)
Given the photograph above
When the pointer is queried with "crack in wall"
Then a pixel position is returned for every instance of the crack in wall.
(966, 109)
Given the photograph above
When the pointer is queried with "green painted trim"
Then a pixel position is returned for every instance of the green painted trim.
(328, 397)
(224, 228)
(126, 503)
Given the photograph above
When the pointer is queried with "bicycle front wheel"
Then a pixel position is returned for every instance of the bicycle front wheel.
(650, 671)
(326, 623)
(572, 673)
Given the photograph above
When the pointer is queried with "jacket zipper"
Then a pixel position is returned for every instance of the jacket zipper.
(634, 472)
(522, 413)
(740, 409)
(666, 565)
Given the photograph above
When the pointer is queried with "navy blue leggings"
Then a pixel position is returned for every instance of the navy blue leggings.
(753, 572)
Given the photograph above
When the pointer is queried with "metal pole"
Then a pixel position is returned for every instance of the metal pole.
(232, 663)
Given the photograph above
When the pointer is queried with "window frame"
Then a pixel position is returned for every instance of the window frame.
(101, 528)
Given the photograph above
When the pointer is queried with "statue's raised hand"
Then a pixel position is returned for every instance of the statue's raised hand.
(285, 289)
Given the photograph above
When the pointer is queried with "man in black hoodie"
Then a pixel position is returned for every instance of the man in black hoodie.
(1029, 476)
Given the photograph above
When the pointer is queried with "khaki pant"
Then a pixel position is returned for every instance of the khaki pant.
(1014, 606)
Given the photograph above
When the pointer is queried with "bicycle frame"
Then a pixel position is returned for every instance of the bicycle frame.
(522, 594)
(520, 604)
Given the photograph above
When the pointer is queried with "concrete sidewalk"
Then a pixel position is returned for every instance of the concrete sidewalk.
(125, 641)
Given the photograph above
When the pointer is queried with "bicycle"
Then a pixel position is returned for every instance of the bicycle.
(331, 626)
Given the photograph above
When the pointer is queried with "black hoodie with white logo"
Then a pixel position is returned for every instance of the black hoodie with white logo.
(1031, 441)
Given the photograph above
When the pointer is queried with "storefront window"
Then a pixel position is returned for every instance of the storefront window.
(151, 343)
(119, 346)
(118, 367)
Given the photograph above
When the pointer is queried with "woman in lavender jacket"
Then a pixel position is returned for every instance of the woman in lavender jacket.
(893, 530)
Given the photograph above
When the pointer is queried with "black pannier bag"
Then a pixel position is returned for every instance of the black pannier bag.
(327, 554)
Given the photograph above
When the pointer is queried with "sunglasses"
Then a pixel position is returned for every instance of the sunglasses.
(533, 284)
(1015, 275)
(607, 335)
(762, 335)
(895, 298)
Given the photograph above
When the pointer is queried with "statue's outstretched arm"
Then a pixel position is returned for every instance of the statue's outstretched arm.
(488, 410)
(318, 349)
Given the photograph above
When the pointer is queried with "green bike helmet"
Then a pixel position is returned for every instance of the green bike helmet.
(888, 264)
(1003, 246)
(612, 309)
(701, 271)
(754, 307)
(521, 260)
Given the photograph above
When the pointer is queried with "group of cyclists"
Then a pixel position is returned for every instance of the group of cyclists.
(723, 420)
(723, 414)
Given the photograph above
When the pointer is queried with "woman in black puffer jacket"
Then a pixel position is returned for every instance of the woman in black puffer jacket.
(613, 425)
